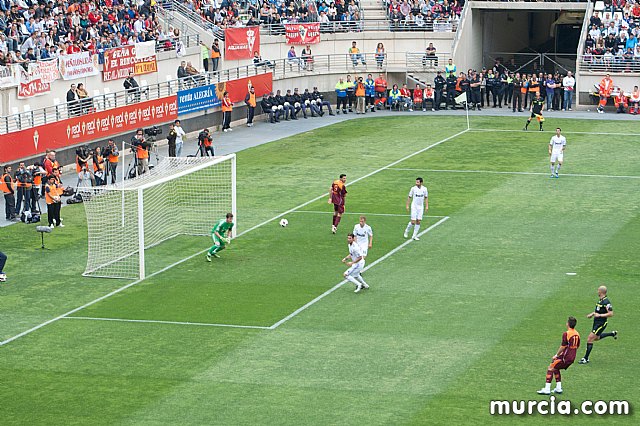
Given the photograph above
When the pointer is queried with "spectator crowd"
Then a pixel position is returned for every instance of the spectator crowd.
(424, 15)
(612, 40)
(33, 30)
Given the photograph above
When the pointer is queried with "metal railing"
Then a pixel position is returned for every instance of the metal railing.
(532, 62)
(421, 62)
(280, 68)
(608, 64)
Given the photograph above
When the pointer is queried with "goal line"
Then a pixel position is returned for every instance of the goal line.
(480, 129)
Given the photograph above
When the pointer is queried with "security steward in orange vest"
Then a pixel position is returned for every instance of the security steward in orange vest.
(227, 107)
(52, 194)
(24, 183)
(250, 100)
(37, 171)
(7, 185)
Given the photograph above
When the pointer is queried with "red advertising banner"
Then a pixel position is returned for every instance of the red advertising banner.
(31, 82)
(302, 33)
(238, 89)
(240, 43)
(77, 130)
(119, 61)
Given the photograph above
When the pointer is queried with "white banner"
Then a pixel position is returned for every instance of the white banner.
(48, 71)
(31, 83)
(9, 76)
(78, 65)
(145, 49)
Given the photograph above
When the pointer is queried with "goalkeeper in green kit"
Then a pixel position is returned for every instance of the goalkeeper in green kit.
(221, 235)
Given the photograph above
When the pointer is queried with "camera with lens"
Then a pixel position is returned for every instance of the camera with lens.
(153, 131)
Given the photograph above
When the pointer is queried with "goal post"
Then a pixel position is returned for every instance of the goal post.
(145, 222)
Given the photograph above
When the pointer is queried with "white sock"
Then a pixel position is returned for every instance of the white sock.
(551, 167)
(415, 230)
(558, 385)
(547, 387)
(409, 225)
(362, 280)
(353, 280)
(558, 167)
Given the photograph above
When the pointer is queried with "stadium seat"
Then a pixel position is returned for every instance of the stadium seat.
(99, 100)
(599, 6)
(17, 117)
(29, 114)
(107, 98)
(56, 105)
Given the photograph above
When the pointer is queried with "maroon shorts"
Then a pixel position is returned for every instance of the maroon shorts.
(560, 364)
(338, 208)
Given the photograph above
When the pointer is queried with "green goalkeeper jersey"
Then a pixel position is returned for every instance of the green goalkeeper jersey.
(222, 227)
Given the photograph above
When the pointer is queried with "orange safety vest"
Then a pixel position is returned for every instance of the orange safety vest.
(141, 152)
(252, 99)
(227, 105)
(620, 98)
(37, 180)
(113, 158)
(360, 90)
(54, 164)
(3, 184)
(536, 88)
(606, 86)
(54, 190)
(99, 165)
(23, 185)
(214, 54)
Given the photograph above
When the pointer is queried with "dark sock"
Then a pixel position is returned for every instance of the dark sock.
(603, 335)
(527, 125)
(334, 220)
(589, 347)
(338, 220)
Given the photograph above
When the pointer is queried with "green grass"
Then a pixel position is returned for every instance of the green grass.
(470, 313)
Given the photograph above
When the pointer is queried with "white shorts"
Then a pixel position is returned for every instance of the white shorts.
(355, 269)
(417, 212)
(364, 247)
(557, 156)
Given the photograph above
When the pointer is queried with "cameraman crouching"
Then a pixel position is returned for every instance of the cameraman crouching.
(205, 143)
(140, 148)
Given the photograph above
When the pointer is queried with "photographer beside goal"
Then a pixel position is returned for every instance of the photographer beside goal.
(140, 148)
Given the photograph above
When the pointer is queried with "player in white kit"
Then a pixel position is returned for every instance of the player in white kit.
(355, 265)
(364, 235)
(557, 144)
(419, 198)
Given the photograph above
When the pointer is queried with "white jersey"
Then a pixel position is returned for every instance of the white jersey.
(418, 195)
(362, 234)
(356, 251)
(557, 143)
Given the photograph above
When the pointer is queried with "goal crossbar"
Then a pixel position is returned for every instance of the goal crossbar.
(180, 196)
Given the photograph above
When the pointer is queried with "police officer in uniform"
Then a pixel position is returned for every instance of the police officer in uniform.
(438, 86)
(451, 83)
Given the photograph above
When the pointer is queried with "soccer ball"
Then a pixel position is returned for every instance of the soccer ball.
(284, 222)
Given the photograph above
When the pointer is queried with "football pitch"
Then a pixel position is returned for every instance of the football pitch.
(270, 334)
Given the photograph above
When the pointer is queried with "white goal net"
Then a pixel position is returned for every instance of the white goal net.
(179, 197)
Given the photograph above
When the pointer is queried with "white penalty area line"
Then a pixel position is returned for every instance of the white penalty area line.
(553, 131)
(341, 283)
(406, 157)
(363, 214)
(495, 172)
(202, 324)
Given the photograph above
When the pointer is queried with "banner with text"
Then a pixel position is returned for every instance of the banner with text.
(31, 83)
(302, 33)
(98, 125)
(120, 61)
(78, 65)
(48, 71)
(240, 43)
(207, 97)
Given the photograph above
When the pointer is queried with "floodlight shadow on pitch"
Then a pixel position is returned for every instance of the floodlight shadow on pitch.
(43, 230)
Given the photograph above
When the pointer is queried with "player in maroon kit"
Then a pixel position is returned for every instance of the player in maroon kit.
(563, 358)
(337, 193)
